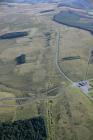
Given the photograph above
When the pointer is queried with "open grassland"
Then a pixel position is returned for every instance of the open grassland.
(68, 113)
(91, 88)
(75, 42)
(38, 74)
(72, 116)
(6, 112)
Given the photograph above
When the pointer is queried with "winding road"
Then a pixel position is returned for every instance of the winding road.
(57, 58)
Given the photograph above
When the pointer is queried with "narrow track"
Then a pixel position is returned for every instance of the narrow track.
(23, 98)
(57, 58)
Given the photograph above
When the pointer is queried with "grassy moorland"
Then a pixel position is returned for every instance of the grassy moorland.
(41, 90)
(80, 44)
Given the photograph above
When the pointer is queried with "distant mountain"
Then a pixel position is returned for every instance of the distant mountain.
(26, 1)
(83, 4)
(71, 3)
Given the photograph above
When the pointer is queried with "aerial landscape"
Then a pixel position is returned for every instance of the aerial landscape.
(46, 70)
